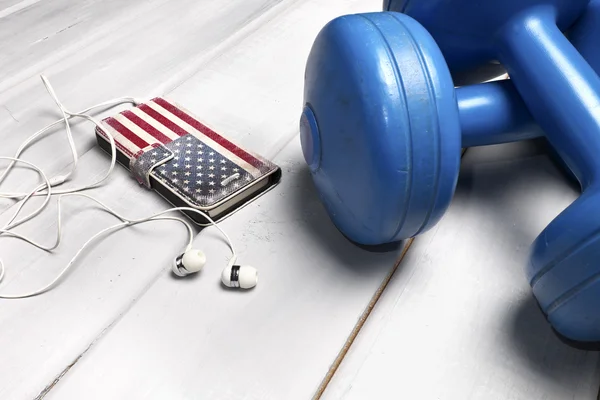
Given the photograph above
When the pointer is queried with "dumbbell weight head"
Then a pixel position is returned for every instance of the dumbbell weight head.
(564, 270)
(467, 30)
(380, 129)
(477, 74)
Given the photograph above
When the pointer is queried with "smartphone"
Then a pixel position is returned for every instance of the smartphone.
(169, 150)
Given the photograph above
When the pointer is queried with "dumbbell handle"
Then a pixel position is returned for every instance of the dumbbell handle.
(561, 89)
(494, 113)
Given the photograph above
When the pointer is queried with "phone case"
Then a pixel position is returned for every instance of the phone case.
(167, 149)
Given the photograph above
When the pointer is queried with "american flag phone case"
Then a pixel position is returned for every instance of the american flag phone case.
(167, 149)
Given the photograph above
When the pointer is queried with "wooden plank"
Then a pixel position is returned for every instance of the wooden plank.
(458, 320)
(134, 36)
(223, 75)
(10, 7)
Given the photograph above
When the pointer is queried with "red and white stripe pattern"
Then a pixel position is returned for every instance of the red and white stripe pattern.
(161, 121)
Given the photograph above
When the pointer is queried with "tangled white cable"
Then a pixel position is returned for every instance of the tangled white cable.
(190, 261)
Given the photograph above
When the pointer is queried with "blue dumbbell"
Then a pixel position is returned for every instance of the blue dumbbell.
(562, 92)
(381, 133)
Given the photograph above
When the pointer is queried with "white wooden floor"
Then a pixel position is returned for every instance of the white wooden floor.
(456, 321)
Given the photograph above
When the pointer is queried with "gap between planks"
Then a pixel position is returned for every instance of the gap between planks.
(104, 331)
(363, 319)
(359, 325)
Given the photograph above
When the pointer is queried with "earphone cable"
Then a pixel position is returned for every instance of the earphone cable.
(46, 189)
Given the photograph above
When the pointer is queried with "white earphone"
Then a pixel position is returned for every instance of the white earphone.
(189, 262)
(240, 276)
(234, 276)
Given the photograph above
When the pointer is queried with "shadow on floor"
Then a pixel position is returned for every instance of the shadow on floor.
(308, 208)
(510, 182)
(511, 193)
(534, 341)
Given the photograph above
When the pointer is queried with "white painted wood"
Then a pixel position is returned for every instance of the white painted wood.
(458, 320)
(214, 58)
(9, 7)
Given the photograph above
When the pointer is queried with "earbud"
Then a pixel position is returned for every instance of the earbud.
(190, 262)
(240, 276)
(234, 276)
